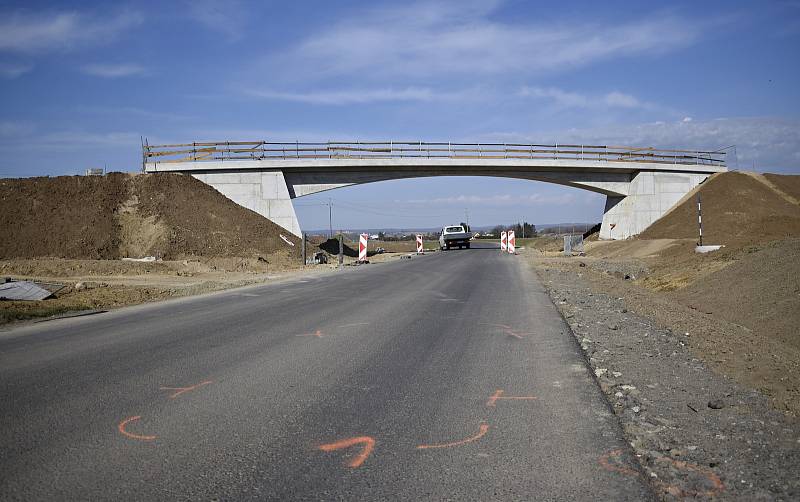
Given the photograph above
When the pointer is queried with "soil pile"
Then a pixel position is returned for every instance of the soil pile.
(738, 210)
(331, 246)
(171, 216)
(760, 289)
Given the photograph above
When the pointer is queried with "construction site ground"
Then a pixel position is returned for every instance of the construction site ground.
(698, 354)
(91, 285)
(77, 231)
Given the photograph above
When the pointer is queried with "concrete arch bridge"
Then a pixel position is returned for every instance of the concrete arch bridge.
(640, 184)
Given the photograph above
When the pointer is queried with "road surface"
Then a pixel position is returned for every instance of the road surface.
(447, 376)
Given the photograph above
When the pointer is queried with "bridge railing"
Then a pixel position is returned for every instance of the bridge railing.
(265, 150)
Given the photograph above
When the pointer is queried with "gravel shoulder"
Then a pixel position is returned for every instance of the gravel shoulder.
(696, 432)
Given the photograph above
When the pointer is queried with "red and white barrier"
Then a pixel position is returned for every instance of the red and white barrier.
(419, 244)
(503, 241)
(512, 242)
(362, 247)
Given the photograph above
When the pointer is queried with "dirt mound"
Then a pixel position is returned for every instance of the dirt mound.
(331, 246)
(760, 290)
(69, 216)
(738, 210)
(787, 183)
(172, 216)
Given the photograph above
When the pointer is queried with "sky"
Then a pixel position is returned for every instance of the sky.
(82, 83)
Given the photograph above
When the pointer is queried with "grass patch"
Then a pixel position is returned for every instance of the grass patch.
(20, 311)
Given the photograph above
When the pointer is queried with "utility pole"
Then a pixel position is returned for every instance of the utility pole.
(330, 218)
(466, 214)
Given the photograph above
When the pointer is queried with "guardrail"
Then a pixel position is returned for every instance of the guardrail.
(265, 150)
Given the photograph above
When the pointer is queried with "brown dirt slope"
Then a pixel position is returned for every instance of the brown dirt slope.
(759, 290)
(107, 217)
(69, 216)
(738, 210)
(787, 183)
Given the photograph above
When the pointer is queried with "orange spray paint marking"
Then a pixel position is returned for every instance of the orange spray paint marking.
(121, 428)
(318, 334)
(359, 459)
(615, 466)
(181, 390)
(716, 484)
(498, 394)
(483, 430)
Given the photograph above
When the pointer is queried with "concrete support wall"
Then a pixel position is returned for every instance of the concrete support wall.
(264, 192)
(650, 195)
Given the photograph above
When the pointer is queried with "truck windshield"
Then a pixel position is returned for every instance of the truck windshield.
(451, 230)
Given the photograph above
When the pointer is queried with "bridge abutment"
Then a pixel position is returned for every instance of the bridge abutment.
(264, 192)
(650, 196)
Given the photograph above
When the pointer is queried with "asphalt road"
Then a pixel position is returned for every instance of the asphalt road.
(447, 376)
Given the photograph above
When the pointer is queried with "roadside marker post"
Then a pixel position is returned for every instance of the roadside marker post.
(512, 242)
(362, 247)
(303, 250)
(341, 251)
(503, 245)
(420, 250)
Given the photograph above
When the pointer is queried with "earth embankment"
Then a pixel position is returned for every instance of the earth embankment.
(170, 216)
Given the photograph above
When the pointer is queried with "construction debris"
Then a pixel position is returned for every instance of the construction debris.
(23, 290)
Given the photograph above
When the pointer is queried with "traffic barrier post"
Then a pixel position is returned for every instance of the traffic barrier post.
(503, 241)
(362, 247)
(512, 242)
(420, 250)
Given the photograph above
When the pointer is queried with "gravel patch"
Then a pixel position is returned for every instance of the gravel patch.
(697, 434)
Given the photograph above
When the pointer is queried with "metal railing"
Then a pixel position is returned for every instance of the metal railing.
(265, 150)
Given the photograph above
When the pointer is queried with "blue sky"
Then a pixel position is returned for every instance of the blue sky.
(81, 82)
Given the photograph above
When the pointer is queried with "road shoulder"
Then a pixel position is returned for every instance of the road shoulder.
(695, 432)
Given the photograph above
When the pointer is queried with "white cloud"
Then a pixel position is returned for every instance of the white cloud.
(360, 96)
(534, 199)
(15, 129)
(114, 70)
(422, 40)
(12, 71)
(29, 32)
(772, 143)
(227, 17)
(19, 137)
(565, 99)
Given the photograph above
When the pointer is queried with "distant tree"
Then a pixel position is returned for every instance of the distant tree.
(466, 227)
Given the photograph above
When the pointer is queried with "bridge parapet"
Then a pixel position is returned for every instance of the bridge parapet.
(263, 150)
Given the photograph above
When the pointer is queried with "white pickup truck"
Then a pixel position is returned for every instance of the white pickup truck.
(453, 236)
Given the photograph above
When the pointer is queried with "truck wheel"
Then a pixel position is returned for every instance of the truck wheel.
(467, 245)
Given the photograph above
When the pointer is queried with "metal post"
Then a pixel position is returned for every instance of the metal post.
(303, 249)
(700, 218)
(341, 250)
(330, 218)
